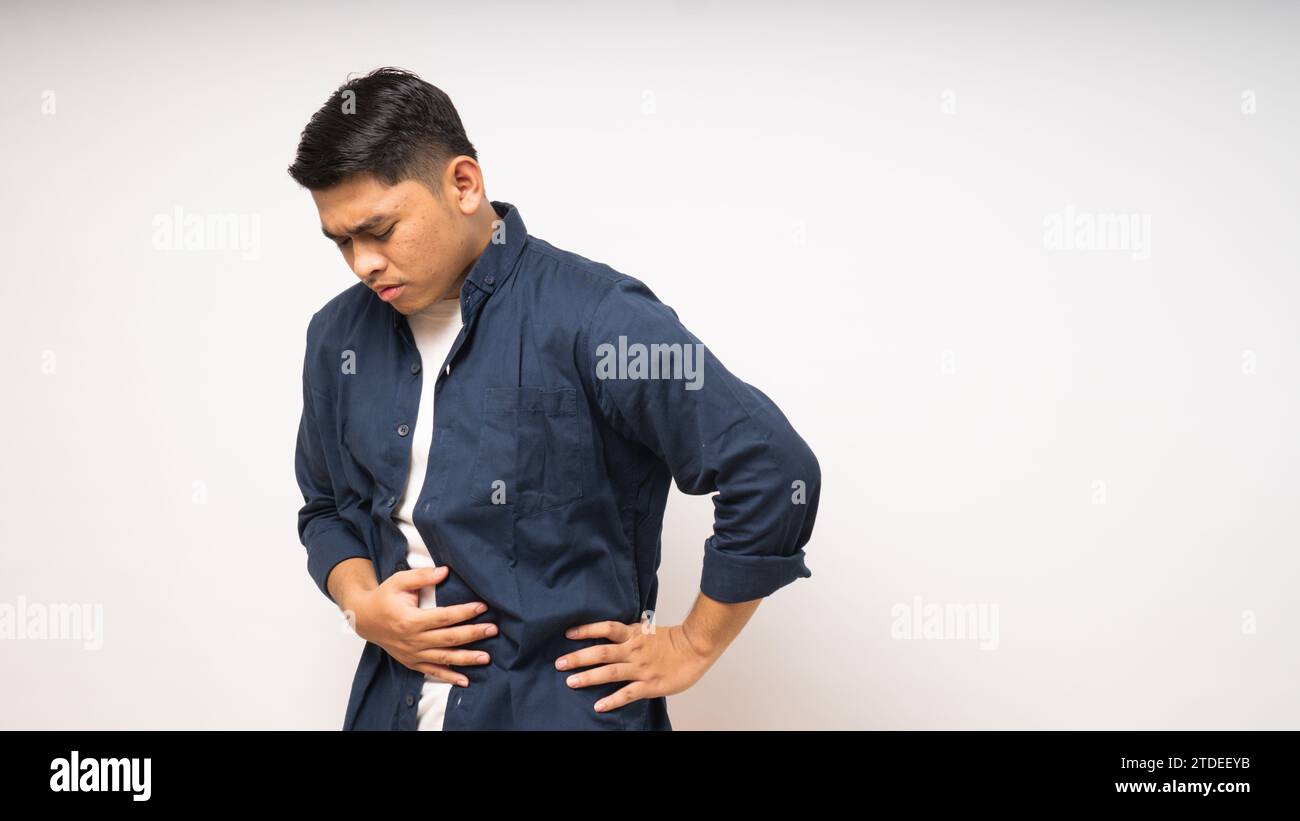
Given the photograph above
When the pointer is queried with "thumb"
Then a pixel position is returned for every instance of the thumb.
(419, 577)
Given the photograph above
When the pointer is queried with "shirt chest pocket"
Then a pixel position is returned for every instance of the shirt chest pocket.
(528, 450)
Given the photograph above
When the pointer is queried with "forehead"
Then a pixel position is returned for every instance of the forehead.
(360, 197)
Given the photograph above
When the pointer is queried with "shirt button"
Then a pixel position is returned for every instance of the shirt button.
(403, 566)
(402, 430)
(449, 369)
(490, 280)
(392, 500)
(415, 367)
(410, 699)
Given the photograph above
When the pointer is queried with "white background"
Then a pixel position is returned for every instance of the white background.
(846, 202)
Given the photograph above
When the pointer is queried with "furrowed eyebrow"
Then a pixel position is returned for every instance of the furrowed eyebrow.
(364, 225)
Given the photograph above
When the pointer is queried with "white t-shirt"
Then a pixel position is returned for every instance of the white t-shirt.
(435, 329)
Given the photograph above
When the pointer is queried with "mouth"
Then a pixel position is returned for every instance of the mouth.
(389, 293)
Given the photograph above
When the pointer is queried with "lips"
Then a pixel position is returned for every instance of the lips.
(389, 292)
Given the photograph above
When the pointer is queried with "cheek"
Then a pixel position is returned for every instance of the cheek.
(403, 255)
(415, 255)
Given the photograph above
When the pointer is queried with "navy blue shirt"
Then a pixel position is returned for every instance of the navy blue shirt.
(568, 402)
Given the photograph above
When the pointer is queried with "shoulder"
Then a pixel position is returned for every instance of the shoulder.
(567, 271)
(332, 328)
(579, 287)
(340, 314)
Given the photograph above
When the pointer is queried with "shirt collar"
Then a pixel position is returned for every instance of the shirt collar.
(497, 261)
(494, 266)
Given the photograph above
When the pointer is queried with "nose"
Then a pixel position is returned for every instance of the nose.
(367, 263)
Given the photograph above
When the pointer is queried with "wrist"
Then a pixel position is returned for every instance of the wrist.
(698, 641)
(353, 598)
(349, 581)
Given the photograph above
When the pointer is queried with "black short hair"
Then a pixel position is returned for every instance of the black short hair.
(389, 123)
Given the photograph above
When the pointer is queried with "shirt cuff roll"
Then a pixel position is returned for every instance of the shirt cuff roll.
(326, 548)
(738, 577)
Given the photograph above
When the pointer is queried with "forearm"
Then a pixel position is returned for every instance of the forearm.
(350, 577)
(712, 625)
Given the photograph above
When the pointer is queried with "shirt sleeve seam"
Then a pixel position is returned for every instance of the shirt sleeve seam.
(585, 337)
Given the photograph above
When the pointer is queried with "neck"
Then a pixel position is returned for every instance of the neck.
(484, 224)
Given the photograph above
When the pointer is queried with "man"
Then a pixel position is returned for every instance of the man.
(497, 420)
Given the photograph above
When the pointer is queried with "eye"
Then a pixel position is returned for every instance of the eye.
(342, 242)
(387, 233)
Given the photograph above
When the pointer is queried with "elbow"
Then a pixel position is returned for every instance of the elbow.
(759, 550)
(800, 466)
(804, 474)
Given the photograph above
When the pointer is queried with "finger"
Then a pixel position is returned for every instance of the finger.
(620, 698)
(454, 657)
(454, 636)
(613, 630)
(417, 577)
(431, 618)
(442, 673)
(602, 675)
(587, 656)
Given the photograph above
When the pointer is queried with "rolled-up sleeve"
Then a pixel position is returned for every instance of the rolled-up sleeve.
(327, 537)
(716, 434)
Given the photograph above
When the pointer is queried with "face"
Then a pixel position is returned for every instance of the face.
(408, 245)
